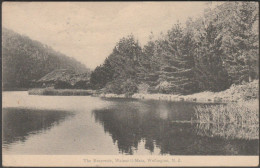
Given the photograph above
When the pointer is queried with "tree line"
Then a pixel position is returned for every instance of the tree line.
(209, 53)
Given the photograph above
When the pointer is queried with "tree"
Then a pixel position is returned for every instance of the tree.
(126, 57)
(241, 42)
(210, 71)
(102, 75)
(149, 64)
(177, 62)
(210, 53)
(120, 66)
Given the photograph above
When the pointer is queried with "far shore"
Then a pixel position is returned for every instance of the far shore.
(199, 97)
(203, 97)
(60, 92)
(236, 93)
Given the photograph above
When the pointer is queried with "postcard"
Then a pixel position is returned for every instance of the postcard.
(97, 84)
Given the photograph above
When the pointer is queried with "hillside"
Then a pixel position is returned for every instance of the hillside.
(68, 77)
(59, 74)
(26, 60)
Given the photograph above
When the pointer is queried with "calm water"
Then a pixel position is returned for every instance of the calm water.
(90, 125)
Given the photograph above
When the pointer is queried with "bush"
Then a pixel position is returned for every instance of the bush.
(129, 87)
(113, 87)
(143, 88)
(82, 85)
(62, 85)
(163, 87)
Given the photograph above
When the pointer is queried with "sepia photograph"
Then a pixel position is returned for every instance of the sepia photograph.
(130, 84)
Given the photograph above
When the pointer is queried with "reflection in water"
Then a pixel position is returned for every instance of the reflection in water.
(19, 123)
(130, 122)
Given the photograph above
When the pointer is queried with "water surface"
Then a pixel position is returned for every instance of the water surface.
(89, 125)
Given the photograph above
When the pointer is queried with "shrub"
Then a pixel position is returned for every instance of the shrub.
(163, 87)
(143, 88)
(113, 87)
(82, 85)
(62, 85)
(129, 87)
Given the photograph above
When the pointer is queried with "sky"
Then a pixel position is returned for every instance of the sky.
(88, 31)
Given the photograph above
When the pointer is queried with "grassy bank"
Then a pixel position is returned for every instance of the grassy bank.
(233, 121)
(241, 114)
(60, 92)
(238, 118)
(227, 131)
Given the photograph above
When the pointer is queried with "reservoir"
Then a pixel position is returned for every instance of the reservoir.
(75, 125)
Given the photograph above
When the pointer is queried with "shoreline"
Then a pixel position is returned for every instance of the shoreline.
(196, 98)
(169, 97)
(60, 92)
(235, 94)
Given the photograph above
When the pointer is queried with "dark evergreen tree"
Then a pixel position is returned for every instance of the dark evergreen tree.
(241, 42)
(102, 75)
(120, 67)
(177, 67)
(210, 71)
(149, 64)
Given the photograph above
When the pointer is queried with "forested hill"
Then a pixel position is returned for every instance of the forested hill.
(210, 53)
(25, 60)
